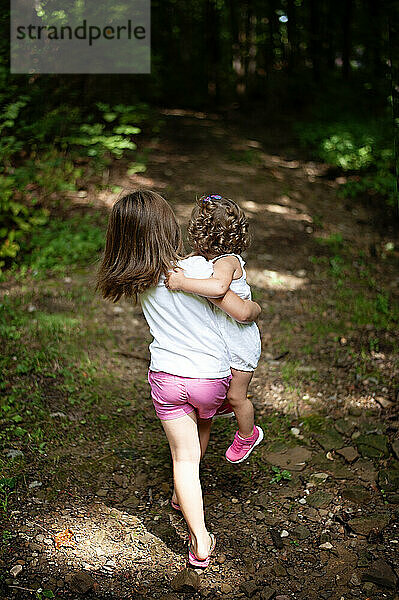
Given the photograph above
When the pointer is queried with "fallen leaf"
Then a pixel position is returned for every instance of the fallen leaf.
(63, 538)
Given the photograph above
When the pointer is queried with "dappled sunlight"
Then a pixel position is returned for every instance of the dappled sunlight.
(322, 365)
(137, 180)
(271, 160)
(285, 108)
(305, 388)
(105, 548)
(310, 169)
(100, 535)
(291, 214)
(237, 168)
(275, 280)
(186, 112)
(95, 547)
(107, 198)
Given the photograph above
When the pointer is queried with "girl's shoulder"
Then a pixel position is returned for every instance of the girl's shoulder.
(232, 257)
(230, 261)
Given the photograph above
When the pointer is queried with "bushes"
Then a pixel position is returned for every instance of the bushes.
(75, 241)
(38, 152)
(112, 135)
(360, 147)
(16, 220)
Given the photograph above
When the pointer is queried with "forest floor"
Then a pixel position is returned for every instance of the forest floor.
(314, 512)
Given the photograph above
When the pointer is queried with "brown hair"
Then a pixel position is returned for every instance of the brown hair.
(143, 242)
(217, 226)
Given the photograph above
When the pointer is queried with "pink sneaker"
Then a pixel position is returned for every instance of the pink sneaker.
(241, 448)
(225, 410)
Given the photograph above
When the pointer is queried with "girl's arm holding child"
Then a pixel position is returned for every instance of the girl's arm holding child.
(216, 289)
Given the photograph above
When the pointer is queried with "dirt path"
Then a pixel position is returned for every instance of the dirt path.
(326, 393)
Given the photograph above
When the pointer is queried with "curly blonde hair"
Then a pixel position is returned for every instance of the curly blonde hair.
(217, 226)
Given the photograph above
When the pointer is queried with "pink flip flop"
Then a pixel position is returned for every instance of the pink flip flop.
(196, 562)
(175, 505)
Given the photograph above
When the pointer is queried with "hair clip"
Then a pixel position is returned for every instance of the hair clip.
(211, 197)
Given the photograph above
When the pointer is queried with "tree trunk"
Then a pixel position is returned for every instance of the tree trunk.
(250, 48)
(213, 50)
(314, 31)
(292, 36)
(273, 28)
(347, 38)
(374, 42)
(331, 27)
(238, 30)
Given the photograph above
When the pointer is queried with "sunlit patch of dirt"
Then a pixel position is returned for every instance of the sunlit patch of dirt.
(270, 280)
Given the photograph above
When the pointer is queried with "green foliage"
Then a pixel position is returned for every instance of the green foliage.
(279, 475)
(62, 363)
(32, 175)
(342, 151)
(313, 422)
(41, 594)
(9, 142)
(7, 487)
(352, 145)
(62, 243)
(382, 183)
(51, 172)
(16, 220)
(112, 133)
(378, 309)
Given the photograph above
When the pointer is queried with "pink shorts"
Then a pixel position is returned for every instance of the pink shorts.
(175, 396)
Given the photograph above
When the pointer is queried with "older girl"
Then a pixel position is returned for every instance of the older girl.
(189, 370)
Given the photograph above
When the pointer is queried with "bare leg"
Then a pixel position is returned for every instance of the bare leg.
(204, 430)
(185, 448)
(243, 408)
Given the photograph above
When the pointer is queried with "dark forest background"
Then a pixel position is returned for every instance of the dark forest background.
(326, 70)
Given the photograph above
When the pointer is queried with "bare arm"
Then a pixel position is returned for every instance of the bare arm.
(216, 289)
(244, 311)
(213, 287)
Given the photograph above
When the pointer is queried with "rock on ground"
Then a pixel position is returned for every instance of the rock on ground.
(293, 459)
(349, 453)
(364, 525)
(81, 582)
(381, 573)
(186, 581)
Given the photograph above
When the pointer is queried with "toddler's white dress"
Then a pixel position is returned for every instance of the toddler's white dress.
(242, 339)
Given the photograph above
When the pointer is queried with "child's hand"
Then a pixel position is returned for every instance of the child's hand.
(175, 279)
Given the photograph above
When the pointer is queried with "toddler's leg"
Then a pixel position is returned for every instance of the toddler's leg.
(248, 436)
(204, 431)
(185, 447)
(243, 408)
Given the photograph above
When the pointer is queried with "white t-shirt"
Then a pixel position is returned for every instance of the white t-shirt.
(186, 340)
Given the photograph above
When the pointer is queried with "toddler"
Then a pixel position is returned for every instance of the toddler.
(218, 231)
